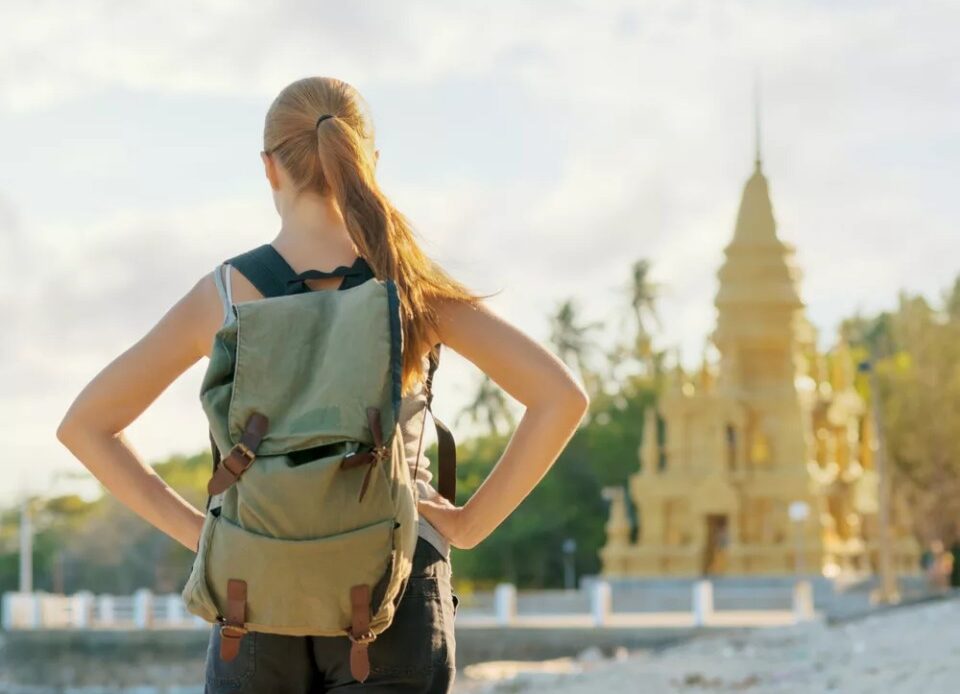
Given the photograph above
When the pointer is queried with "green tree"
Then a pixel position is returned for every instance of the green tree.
(917, 353)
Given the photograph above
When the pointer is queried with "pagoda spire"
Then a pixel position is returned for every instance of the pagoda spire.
(758, 297)
(758, 159)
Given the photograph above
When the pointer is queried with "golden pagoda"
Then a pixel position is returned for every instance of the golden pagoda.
(764, 465)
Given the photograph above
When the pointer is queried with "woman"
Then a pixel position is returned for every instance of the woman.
(319, 158)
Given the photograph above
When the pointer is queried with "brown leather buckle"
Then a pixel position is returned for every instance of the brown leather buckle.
(365, 637)
(232, 631)
(243, 450)
(238, 460)
(240, 457)
(359, 631)
(373, 457)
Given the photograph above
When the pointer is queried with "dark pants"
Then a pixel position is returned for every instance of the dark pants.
(415, 654)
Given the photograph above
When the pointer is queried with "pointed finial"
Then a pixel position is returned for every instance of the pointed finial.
(756, 120)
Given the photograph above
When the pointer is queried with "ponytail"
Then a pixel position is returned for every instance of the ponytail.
(340, 162)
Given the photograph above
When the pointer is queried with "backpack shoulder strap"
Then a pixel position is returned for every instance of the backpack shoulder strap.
(446, 446)
(265, 268)
(272, 275)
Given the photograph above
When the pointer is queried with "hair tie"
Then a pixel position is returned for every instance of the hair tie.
(321, 119)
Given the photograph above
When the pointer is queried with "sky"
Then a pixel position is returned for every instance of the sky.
(539, 148)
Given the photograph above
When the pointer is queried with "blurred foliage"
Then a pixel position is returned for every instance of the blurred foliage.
(916, 353)
(101, 545)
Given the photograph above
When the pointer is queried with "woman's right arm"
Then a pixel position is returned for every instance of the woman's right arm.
(555, 404)
(94, 427)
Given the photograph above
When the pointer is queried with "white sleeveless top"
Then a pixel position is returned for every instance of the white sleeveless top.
(412, 418)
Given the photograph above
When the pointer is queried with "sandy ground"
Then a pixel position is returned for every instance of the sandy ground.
(912, 649)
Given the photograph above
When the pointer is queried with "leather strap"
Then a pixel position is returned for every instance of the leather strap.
(241, 456)
(359, 631)
(371, 457)
(232, 630)
(376, 428)
(447, 461)
(446, 446)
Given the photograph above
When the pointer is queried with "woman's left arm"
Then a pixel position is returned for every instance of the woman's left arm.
(93, 427)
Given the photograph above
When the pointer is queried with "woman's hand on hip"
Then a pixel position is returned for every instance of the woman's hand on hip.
(450, 520)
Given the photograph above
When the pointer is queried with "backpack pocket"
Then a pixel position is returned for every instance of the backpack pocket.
(196, 594)
(296, 587)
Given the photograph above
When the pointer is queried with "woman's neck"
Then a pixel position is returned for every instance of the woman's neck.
(313, 235)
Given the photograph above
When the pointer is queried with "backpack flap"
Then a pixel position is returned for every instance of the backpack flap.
(312, 363)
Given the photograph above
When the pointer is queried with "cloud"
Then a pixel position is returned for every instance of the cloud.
(78, 305)
(538, 148)
(211, 47)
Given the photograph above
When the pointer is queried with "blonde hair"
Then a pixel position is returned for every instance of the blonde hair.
(335, 157)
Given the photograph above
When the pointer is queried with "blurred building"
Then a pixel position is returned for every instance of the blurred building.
(734, 446)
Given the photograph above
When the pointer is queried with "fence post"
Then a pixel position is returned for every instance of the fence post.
(702, 602)
(19, 610)
(81, 606)
(105, 610)
(35, 609)
(600, 602)
(505, 603)
(143, 608)
(802, 601)
(173, 609)
(9, 600)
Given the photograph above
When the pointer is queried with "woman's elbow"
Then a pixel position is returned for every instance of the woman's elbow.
(68, 429)
(579, 397)
(73, 427)
(573, 399)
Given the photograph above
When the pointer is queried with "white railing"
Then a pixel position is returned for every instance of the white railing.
(592, 606)
(84, 610)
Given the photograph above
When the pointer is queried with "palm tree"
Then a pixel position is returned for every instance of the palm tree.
(490, 404)
(643, 300)
(571, 342)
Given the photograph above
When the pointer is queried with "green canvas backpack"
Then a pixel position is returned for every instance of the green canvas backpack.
(316, 524)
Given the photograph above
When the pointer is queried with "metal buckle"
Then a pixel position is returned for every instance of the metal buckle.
(380, 453)
(232, 631)
(245, 451)
(365, 637)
